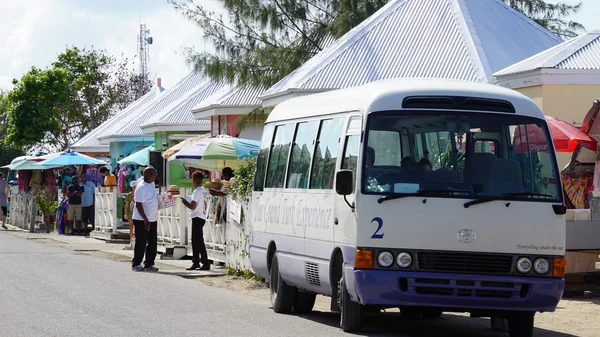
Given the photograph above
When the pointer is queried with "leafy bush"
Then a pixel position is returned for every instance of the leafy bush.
(44, 198)
(241, 189)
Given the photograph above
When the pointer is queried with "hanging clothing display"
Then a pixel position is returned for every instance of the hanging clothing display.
(37, 179)
(62, 219)
(121, 179)
(23, 180)
(93, 175)
(50, 180)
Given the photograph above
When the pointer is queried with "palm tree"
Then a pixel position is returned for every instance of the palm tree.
(552, 16)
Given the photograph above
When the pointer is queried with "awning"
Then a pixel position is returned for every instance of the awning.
(176, 148)
(140, 157)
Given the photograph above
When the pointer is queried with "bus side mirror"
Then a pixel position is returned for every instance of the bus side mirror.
(344, 182)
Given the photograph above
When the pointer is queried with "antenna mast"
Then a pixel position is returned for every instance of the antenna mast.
(144, 41)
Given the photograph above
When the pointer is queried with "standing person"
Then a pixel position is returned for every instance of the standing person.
(198, 215)
(227, 177)
(145, 217)
(87, 202)
(129, 206)
(109, 178)
(74, 193)
(4, 189)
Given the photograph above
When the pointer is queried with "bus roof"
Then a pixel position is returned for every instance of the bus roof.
(387, 95)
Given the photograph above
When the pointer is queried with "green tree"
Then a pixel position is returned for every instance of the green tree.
(53, 107)
(7, 153)
(553, 16)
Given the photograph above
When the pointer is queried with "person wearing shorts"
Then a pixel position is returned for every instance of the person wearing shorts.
(87, 203)
(74, 193)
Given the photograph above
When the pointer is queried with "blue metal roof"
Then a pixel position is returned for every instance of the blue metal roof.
(91, 138)
(232, 96)
(181, 113)
(579, 53)
(169, 99)
(452, 39)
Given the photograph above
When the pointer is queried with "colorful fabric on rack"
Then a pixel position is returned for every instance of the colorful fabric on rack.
(577, 190)
(93, 175)
(121, 179)
(37, 179)
(62, 220)
(51, 180)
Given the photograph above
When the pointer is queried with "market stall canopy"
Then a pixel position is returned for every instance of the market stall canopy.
(31, 162)
(217, 152)
(566, 137)
(176, 148)
(67, 158)
(138, 158)
(590, 127)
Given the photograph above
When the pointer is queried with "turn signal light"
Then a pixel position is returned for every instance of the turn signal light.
(363, 259)
(558, 268)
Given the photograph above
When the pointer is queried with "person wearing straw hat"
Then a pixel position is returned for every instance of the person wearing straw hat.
(129, 206)
(198, 207)
(145, 217)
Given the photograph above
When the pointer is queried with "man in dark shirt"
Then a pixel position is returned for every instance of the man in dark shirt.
(74, 193)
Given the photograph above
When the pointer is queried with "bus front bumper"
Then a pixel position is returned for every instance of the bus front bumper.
(458, 291)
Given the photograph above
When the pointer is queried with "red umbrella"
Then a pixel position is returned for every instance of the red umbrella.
(566, 137)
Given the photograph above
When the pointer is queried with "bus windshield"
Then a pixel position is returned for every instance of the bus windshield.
(459, 154)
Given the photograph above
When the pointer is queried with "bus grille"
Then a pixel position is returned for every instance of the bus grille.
(455, 262)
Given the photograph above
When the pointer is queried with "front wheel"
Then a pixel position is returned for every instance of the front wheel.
(282, 295)
(520, 324)
(351, 318)
(304, 302)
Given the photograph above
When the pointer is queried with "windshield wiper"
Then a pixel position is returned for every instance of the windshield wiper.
(505, 196)
(418, 193)
(529, 195)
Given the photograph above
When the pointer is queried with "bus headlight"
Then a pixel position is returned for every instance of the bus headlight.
(524, 265)
(404, 260)
(385, 259)
(541, 266)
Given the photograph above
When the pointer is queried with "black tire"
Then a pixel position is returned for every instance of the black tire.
(431, 313)
(304, 302)
(520, 324)
(351, 317)
(410, 313)
(499, 324)
(282, 295)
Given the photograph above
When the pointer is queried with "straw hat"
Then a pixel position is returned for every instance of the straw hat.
(173, 189)
(215, 184)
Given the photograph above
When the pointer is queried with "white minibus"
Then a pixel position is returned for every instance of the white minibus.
(429, 196)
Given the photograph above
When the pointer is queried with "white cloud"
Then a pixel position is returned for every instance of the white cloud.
(34, 32)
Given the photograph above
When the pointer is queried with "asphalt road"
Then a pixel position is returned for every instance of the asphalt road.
(52, 291)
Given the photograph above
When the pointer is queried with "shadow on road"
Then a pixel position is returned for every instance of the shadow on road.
(392, 324)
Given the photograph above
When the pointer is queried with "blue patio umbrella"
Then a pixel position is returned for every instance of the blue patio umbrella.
(138, 158)
(67, 158)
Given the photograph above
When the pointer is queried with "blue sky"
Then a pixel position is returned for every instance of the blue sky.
(33, 32)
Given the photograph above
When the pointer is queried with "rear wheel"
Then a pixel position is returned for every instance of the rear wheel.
(304, 302)
(520, 324)
(351, 318)
(282, 295)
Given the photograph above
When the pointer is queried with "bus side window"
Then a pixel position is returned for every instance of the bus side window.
(263, 155)
(350, 160)
(278, 157)
(326, 150)
(302, 153)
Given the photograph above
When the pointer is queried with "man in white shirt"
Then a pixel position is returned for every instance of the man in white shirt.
(198, 215)
(145, 217)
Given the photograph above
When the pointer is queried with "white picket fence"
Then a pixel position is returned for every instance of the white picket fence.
(226, 242)
(106, 209)
(23, 211)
